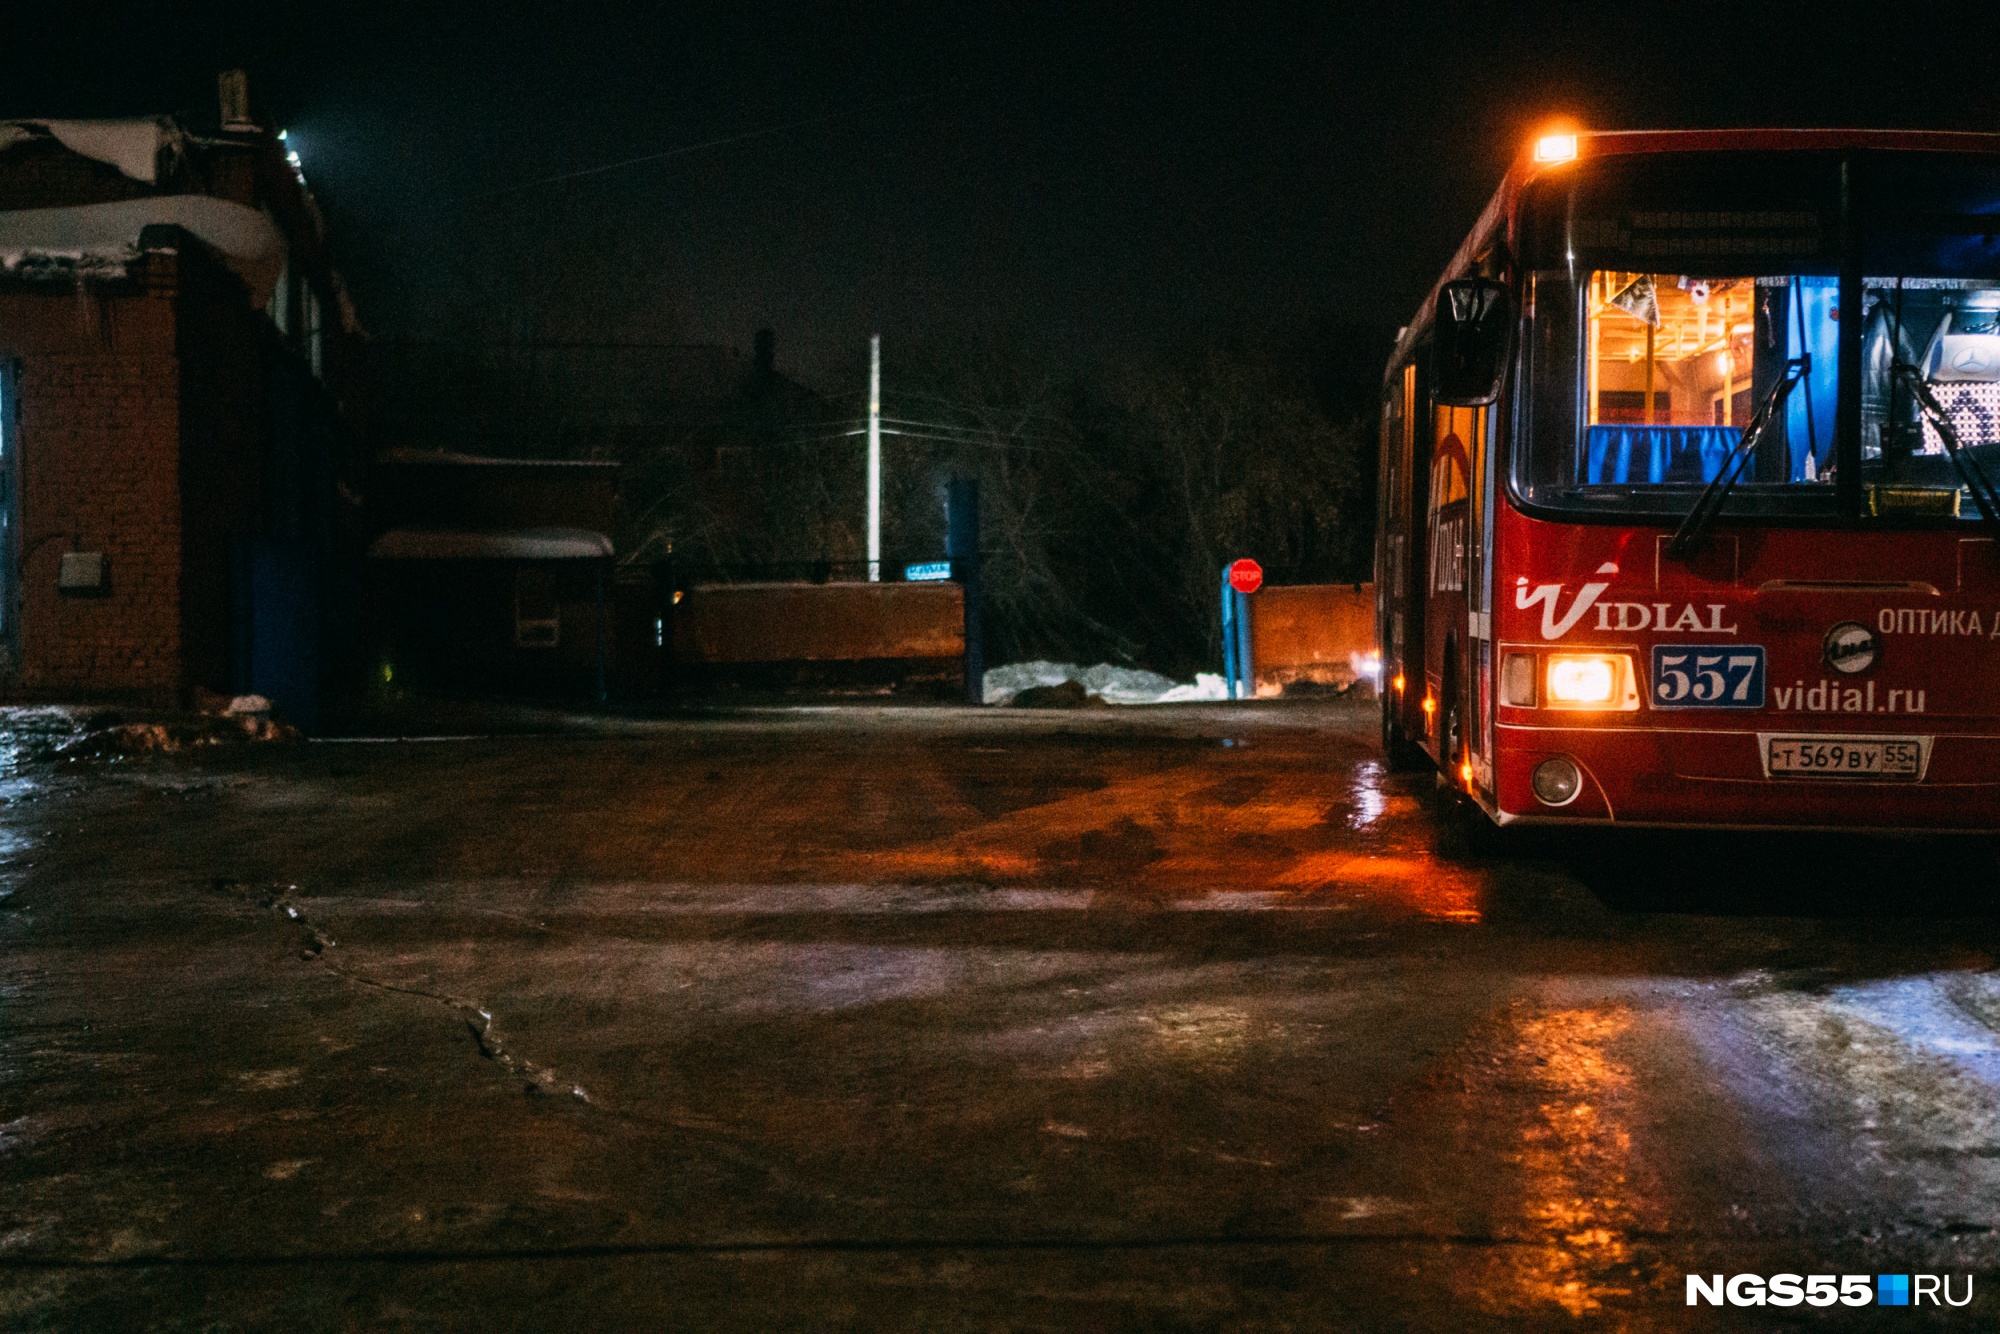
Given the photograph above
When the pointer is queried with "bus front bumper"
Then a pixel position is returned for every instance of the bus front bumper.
(1712, 778)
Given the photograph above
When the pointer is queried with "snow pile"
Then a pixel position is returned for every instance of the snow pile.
(1113, 685)
(171, 738)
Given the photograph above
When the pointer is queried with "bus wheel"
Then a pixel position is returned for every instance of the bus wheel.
(1471, 828)
(1399, 753)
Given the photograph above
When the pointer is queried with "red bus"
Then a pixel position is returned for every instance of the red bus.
(1687, 494)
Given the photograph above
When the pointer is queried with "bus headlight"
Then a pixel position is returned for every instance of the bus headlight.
(1590, 681)
(1582, 680)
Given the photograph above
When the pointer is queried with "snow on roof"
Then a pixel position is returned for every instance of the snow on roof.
(133, 146)
(102, 238)
(457, 460)
(511, 544)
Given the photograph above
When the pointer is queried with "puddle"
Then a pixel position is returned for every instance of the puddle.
(32, 732)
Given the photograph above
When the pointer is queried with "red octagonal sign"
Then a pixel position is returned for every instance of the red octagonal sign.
(1246, 575)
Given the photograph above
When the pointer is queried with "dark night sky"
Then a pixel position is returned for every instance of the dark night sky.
(1077, 179)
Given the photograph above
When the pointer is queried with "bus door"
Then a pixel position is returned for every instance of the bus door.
(1448, 521)
(1479, 650)
(1408, 559)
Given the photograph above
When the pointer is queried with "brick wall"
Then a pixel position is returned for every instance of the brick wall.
(98, 434)
(758, 623)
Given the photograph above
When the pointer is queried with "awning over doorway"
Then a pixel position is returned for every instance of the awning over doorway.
(510, 544)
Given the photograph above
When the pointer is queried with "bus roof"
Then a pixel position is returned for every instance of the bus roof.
(1617, 143)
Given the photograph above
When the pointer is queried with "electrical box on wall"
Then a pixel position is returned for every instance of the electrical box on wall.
(82, 572)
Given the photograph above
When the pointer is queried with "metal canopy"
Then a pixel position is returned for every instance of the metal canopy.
(510, 544)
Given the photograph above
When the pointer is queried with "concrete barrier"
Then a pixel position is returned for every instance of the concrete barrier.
(1312, 633)
(819, 623)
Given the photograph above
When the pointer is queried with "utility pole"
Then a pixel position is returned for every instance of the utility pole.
(875, 459)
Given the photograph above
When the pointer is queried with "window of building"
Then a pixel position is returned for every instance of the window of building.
(537, 616)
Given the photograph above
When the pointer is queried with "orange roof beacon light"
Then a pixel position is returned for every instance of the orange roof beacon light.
(1553, 148)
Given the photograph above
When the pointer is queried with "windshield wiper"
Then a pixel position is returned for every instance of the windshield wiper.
(1709, 503)
(1976, 480)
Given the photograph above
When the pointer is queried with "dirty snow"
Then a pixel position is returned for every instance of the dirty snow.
(1113, 685)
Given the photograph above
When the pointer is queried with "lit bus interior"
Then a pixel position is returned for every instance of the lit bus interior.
(1676, 366)
(1668, 365)
(1676, 369)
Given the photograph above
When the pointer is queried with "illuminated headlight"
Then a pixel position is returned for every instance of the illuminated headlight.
(1590, 681)
(1557, 781)
(1582, 680)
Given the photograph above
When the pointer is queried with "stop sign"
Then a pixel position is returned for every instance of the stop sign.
(1246, 575)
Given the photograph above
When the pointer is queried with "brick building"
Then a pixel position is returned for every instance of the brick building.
(177, 508)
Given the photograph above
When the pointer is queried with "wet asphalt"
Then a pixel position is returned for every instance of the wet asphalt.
(929, 1018)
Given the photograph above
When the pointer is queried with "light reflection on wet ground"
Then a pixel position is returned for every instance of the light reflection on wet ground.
(29, 736)
(1175, 835)
(30, 732)
(1576, 1163)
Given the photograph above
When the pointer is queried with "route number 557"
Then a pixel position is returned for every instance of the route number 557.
(1708, 676)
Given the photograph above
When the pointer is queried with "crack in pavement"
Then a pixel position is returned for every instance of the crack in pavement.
(312, 945)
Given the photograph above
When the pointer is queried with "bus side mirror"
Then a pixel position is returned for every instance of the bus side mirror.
(1472, 333)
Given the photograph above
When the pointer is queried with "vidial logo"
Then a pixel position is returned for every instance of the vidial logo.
(1548, 594)
(1617, 617)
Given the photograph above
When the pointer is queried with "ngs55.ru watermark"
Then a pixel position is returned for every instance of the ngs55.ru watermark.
(1827, 1289)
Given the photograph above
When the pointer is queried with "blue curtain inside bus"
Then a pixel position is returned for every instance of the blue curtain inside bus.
(1814, 327)
(1655, 454)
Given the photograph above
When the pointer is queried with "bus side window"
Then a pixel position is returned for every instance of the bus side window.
(1418, 438)
(1392, 492)
(1553, 365)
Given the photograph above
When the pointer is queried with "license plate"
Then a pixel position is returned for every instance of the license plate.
(1881, 758)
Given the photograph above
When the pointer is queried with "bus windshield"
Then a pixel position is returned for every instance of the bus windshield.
(1675, 299)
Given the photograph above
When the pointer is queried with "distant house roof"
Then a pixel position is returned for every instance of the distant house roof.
(510, 544)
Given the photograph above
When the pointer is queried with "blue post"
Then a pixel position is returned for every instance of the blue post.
(1229, 596)
(961, 545)
(1246, 666)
